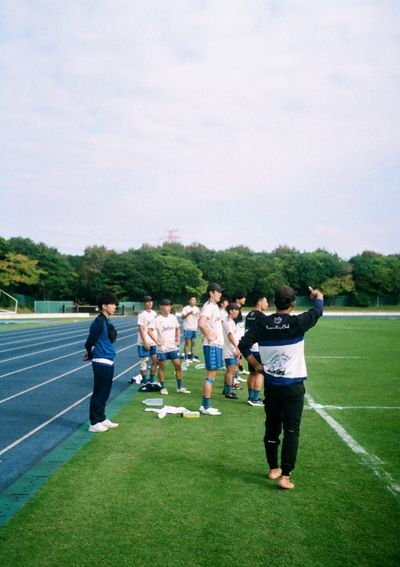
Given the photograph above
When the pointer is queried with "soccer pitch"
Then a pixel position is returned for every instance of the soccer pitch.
(178, 492)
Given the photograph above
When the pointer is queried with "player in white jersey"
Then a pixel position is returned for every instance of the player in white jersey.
(190, 317)
(231, 351)
(239, 297)
(166, 333)
(213, 341)
(146, 345)
(223, 304)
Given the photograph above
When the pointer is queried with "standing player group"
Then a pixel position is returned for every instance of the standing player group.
(272, 344)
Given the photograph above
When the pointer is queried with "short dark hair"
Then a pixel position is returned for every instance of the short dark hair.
(147, 298)
(238, 295)
(213, 286)
(223, 298)
(105, 298)
(284, 297)
(259, 297)
(232, 306)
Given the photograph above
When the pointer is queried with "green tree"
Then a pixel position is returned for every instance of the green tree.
(4, 247)
(123, 275)
(58, 280)
(372, 273)
(91, 276)
(269, 274)
(176, 278)
(332, 287)
(17, 270)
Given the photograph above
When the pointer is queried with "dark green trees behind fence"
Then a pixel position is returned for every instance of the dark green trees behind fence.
(175, 271)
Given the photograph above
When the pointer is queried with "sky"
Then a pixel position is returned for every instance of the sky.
(232, 122)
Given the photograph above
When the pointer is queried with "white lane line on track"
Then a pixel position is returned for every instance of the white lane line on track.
(41, 363)
(43, 350)
(50, 360)
(71, 332)
(42, 425)
(42, 343)
(371, 461)
(55, 378)
(59, 337)
(51, 333)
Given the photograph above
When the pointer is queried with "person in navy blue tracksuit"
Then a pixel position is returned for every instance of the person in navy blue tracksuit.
(281, 343)
(100, 350)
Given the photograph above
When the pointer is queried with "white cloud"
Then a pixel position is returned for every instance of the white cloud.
(282, 108)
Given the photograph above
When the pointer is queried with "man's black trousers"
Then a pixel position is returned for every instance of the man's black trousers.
(283, 408)
(102, 382)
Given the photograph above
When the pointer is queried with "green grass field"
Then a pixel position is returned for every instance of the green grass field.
(179, 492)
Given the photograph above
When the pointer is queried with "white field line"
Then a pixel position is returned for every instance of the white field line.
(42, 425)
(53, 332)
(336, 407)
(344, 357)
(44, 350)
(55, 378)
(50, 360)
(53, 340)
(371, 461)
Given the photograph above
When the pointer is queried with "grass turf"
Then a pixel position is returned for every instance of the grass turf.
(194, 492)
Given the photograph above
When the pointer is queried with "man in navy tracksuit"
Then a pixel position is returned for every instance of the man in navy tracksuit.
(281, 342)
(101, 352)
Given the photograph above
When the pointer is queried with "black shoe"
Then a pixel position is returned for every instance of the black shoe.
(131, 381)
(231, 396)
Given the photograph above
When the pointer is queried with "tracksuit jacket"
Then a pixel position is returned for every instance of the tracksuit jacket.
(99, 338)
(281, 342)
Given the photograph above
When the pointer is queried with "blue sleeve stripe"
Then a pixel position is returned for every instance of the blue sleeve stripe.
(281, 342)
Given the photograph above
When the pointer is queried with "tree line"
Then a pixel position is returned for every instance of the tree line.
(175, 271)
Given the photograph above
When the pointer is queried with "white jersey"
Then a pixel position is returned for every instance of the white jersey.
(191, 322)
(165, 330)
(145, 319)
(212, 312)
(224, 314)
(229, 326)
(240, 331)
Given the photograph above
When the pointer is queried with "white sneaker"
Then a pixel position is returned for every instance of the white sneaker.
(257, 404)
(244, 372)
(183, 391)
(241, 379)
(109, 424)
(164, 391)
(209, 411)
(98, 428)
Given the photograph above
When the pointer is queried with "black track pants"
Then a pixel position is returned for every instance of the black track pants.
(283, 408)
(102, 382)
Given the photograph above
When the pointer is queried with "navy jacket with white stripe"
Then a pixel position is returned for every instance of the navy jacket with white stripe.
(281, 341)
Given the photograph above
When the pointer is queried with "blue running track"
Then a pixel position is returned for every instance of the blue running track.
(45, 389)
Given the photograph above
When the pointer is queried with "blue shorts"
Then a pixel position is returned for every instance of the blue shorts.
(231, 361)
(257, 357)
(189, 335)
(213, 357)
(171, 355)
(143, 353)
